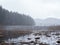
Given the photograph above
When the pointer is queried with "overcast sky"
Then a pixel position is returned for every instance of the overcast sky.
(35, 8)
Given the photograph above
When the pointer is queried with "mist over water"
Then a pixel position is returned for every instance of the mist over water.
(25, 21)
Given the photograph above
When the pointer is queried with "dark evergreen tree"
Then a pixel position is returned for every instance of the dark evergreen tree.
(14, 18)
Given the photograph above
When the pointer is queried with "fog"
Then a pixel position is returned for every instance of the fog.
(35, 8)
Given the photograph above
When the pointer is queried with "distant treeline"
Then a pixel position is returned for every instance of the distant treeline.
(14, 18)
(54, 27)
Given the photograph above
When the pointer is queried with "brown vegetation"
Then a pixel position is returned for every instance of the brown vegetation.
(6, 34)
(54, 27)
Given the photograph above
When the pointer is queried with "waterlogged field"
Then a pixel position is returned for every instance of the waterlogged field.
(39, 38)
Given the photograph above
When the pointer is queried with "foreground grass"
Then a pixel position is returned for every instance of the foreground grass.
(6, 34)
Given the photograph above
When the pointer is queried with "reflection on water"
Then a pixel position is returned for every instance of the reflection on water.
(49, 38)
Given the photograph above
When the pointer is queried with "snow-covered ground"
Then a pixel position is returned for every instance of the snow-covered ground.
(43, 38)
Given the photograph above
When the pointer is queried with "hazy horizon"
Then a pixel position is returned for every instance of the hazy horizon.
(41, 9)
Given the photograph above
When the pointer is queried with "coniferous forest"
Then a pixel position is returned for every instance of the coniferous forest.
(14, 18)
